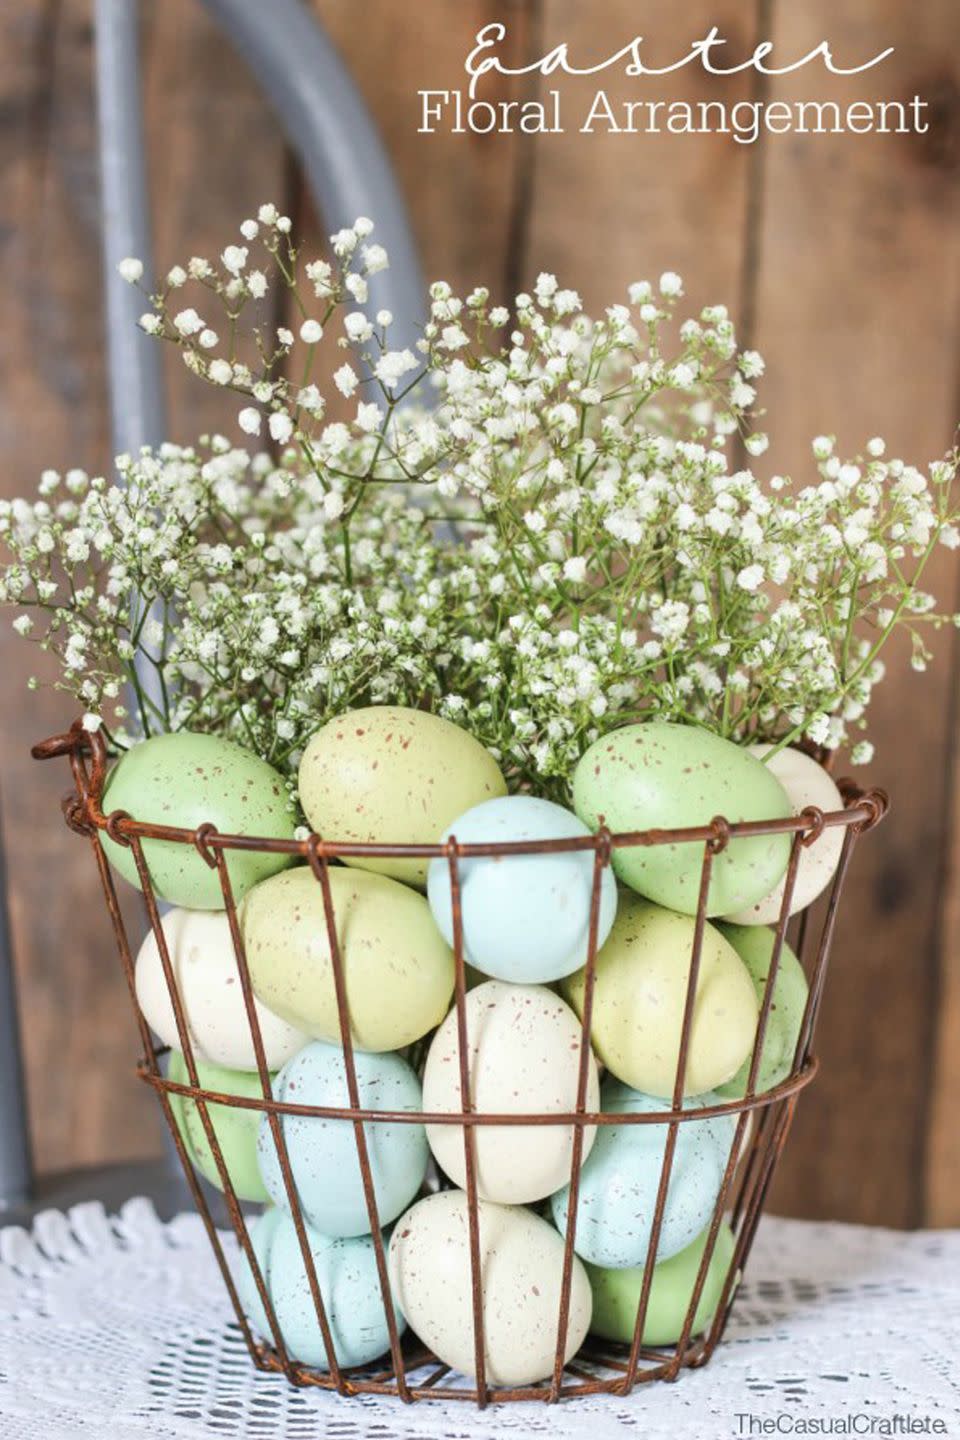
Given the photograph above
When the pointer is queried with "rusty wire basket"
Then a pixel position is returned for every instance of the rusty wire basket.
(409, 1370)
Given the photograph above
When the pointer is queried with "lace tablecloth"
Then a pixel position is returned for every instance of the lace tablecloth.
(119, 1328)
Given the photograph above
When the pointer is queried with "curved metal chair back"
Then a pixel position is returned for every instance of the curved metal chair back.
(327, 123)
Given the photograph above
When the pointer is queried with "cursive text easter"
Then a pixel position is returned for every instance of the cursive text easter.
(466, 112)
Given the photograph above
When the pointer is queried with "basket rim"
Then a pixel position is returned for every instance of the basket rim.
(797, 1080)
(863, 810)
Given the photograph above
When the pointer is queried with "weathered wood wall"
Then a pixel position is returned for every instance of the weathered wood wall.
(840, 256)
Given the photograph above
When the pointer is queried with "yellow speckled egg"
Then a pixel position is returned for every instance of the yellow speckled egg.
(391, 775)
(397, 966)
(639, 997)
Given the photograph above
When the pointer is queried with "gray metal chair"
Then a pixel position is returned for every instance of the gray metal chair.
(326, 122)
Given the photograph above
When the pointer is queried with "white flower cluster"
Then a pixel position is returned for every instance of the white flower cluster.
(560, 538)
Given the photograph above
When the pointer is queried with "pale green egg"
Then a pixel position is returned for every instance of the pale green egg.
(397, 967)
(185, 780)
(236, 1128)
(754, 945)
(391, 775)
(616, 1293)
(659, 775)
(639, 998)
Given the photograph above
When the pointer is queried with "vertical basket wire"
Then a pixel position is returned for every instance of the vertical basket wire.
(409, 1371)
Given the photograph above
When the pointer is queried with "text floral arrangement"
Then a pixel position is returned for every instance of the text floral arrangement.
(522, 591)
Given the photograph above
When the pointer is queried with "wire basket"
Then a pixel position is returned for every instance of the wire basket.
(409, 1371)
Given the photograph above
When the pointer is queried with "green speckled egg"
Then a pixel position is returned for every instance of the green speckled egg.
(390, 775)
(185, 780)
(616, 1293)
(639, 999)
(399, 970)
(754, 945)
(664, 776)
(235, 1129)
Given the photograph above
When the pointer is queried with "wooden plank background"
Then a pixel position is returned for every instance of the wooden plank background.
(839, 254)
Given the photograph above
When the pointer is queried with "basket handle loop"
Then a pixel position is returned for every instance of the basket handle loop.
(201, 839)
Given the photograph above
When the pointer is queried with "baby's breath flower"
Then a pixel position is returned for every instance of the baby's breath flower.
(346, 380)
(561, 539)
(234, 258)
(281, 426)
(392, 367)
(188, 322)
(220, 372)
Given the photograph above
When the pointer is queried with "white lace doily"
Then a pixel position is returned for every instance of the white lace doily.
(119, 1328)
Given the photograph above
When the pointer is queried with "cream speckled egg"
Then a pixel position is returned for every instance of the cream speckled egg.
(806, 783)
(389, 774)
(640, 994)
(521, 1260)
(659, 775)
(397, 967)
(524, 1047)
(205, 967)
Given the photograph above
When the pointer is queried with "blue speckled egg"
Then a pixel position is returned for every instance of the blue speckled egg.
(349, 1286)
(620, 1177)
(526, 918)
(323, 1153)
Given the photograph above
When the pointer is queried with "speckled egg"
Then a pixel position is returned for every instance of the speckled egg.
(390, 775)
(639, 999)
(188, 780)
(659, 775)
(201, 953)
(235, 1128)
(521, 1261)
(524, 1049)
(754, 945)
(616, 1294)
(397, 966)
(806, 783)
(526, 918)
(349, 1287)
(621, 1177)
(323, 1152)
